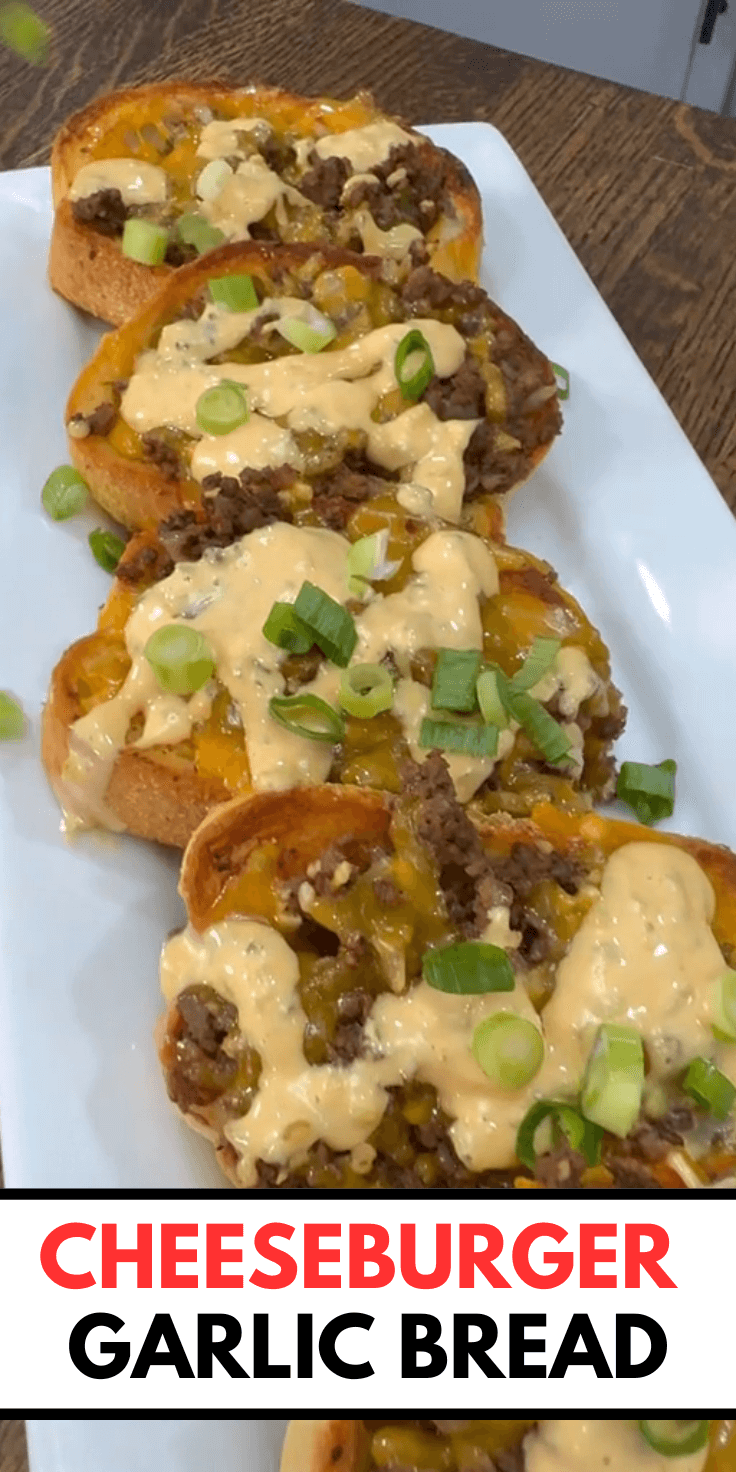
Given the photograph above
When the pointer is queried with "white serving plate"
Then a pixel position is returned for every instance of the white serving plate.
(154, 1446)
(624, 510)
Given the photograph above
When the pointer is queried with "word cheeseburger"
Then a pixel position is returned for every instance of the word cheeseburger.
(372, 1267)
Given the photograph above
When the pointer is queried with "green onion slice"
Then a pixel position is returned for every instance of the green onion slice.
(359, 588)
(455, 677)
(310, 333)
(307, 715)
(181, 659)
(23, 32)
(649, 790)
(675, 1438)
(413, 364)
(723, 1007)
(472, 740)
(509, 1049)
(470, 967)
(195, 230)
(222, 408)
(12, 719)
(145, 241)
(540, 658)
(492, 708)
(367, 559)
(567, 1123)
(366, 690)
(614, 1079)
(333, 628)
(709, 1087)
(286, 630)
(563, 381)
(542, 729)
(236, 293)
(65, 493)
(107, 549)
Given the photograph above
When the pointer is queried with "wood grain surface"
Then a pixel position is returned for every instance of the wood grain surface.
(645, 189)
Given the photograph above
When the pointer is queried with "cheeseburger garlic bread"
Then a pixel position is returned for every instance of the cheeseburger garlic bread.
(380, 991)
(509, 1446)
(302, 653)
(299, 367)
(147, 179)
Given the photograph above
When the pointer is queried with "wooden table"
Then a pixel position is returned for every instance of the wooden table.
(644, 189)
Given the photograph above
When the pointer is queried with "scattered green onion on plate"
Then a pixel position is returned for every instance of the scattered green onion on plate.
(455, 678)
(675, 1438)
(469, 967)
(310, 333)
(333, 628)
(236, 293)
(193, 229)
(25, 33)
(307, 715)
(106, 548)
(470, 740)
(181, 659)
(614, 1079)
(567, 1122)
(366, 690)
(723, 1007)
(488, 692)
(563, 381)
(413, 364)
(144, 241)
(649, 790)
(543, 730)
(709, 1087)
(12, 719)
(539, 660)
(509, 1049)
(65, 493)
(222, 408)
(285, 629)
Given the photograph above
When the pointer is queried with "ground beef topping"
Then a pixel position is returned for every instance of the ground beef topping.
(163, 454)
(336, 495)
(410, 188)
(200, 1069)
(325, 181)
(466, 872)
(463, 396)
(104, 210)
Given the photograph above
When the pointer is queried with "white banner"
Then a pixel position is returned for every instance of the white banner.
(295, 1303)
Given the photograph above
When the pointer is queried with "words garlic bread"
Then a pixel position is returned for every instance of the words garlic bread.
(147, 179)
(509, 1446)
(378, 991)
(282, 365)
(409, 639)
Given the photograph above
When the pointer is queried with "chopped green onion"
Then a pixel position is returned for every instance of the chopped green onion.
(23, 32)
(333, 628)
(413, 364)
(568, 1123)
(222, 408)
(367, 558)
(614, 1079)
(12, 719)
(455, 676)
(213, 178)
(310, 333)
(64, 493)
(491, 705)
(471, 966)
(307, 715)
(542, 729)
(709, 1087)
(195, 230)
(286, 630)
(563, 381)
(541, 656)
(509, 1049)
(723, 1007)
(237, 293)
(107, 549)
(473, 740)
(649, 790)
(366, 690)
(359, 588)
(181, 659)
(145, 241)
(675, 1438)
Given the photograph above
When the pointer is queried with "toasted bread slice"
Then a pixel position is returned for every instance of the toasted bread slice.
(345, 895)
(488, 415)
(323, 1446)
(163, 791)
(431, 201)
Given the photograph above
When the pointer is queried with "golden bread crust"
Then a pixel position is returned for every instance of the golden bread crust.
(321, 1446)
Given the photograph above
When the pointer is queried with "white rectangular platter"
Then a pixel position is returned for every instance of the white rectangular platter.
(622, 508)
(154, 1446)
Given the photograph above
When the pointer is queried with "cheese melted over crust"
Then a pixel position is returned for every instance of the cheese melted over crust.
(600, 1446)
(327, 392)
